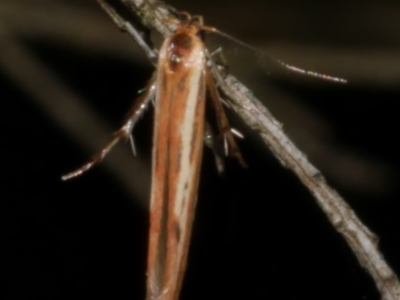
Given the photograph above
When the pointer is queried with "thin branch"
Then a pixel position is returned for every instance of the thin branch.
(360, 239)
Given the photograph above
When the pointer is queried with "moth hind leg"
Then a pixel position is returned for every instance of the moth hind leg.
(222, 121)
(211, 141)
(124, 133)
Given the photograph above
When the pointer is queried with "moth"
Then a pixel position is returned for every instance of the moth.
(180, 87)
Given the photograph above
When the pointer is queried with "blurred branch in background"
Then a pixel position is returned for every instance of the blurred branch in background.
(69, 110)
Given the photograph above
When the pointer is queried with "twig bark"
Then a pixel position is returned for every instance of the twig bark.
(361, 240)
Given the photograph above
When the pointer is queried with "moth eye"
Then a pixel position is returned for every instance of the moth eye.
(176, 59)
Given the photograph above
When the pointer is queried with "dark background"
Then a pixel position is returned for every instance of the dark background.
(67, 78)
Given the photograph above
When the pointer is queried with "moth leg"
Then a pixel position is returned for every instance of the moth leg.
(222, 66)
(211, 141)
(222, 62)
(222, 120)
(124, 133)
(187, 17)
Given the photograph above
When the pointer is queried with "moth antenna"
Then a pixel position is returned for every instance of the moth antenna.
(275, 60)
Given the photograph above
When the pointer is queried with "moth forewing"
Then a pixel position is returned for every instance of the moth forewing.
(177, 152)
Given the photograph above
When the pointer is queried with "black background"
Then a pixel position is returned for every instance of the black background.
(258, 232)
